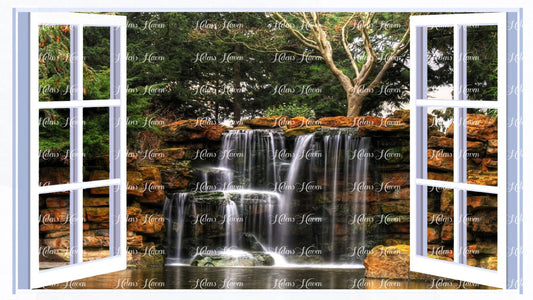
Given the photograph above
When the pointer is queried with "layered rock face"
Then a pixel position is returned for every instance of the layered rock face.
(164, 164)
(169, 164)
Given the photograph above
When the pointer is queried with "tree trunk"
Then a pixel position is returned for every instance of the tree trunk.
(237, 96)
(355, 103)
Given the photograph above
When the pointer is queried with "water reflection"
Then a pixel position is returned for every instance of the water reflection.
(186, 277)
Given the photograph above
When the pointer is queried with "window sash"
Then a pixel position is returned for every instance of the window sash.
(117, 121)
(419, 174)
(457, 104)
(79, 104)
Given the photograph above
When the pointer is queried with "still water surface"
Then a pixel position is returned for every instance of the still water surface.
(187, 277)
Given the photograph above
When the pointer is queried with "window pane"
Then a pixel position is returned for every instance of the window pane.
(440, 223)
(482, 63)
(96, 223)
(482, 230)
(54, 63)
(440, 145)
(97, 61)
(482, 153)
(54, 146)
(96, 143)
(54, 230)
(440, 62)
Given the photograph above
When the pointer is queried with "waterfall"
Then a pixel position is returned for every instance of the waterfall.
(331, 172)
(219, 178)
(258, 211)
(330, 159)
(303, 143)
(255, 184)
(252, 155)
(175, 214)
(359, 171)
(231, 215)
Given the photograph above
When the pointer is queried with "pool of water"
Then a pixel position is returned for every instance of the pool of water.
(187, 277)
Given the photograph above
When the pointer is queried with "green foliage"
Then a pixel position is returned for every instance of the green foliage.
(175, 85)
(481, 61)
(54, 83)
(291, 110)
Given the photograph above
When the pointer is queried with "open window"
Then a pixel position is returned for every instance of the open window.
(52, 219)
(467, 229)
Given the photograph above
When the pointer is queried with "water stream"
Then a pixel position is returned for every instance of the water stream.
(293, 203)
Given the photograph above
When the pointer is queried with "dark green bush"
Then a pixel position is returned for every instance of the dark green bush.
(290, 110)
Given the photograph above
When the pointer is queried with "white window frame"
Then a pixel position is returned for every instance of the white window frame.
(507, 104)
(28, 27)
(19, 133)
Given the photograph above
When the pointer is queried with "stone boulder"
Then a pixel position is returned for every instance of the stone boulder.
(392, 262)
(484, 221)
(482, 201)
(404, 114)
(339, 121)
(446, 143)
(492, 147)
(490, 263)
(233, 259)
(266, 122)
(482, 177)
(192, 130)
(97, 214)
(395, 179)
(99, 175)
(57, 202)
(294, 132)
(396, 131)
(54, 175)
(177, 177)
(95, 201)
(440, 160)
(298, 122)
(478, 127)
(135, 180)
(388, 262)
(147, 224)
(154, 193)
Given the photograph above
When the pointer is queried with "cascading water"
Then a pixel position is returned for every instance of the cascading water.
(256, 188)
(252, 157)
(329, 161)
(300, 161)
(358, 172)
(250, 166)
(231, 215)
(175, 212)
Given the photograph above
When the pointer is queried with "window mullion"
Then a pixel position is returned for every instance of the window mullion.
(76, 145)
(419, 141)
(78, 104)
(112, 146)
(117, 141)
(459, 147)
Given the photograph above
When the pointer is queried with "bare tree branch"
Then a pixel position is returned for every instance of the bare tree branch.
(327, 53)
(308, 42)
(314, 30)
(398, 49)
(276, 50)
(371, 55)
(345, 45)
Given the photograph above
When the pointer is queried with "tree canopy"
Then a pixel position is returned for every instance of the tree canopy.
(229, 66)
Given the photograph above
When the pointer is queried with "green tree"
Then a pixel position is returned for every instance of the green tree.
(357, 48)
(54, 85)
